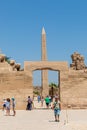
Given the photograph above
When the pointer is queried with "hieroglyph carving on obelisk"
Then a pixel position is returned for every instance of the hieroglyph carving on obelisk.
(44, 80)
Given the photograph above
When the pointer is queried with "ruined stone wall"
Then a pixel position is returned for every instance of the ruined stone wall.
(74, 89)
(77, 61)
(16, 84)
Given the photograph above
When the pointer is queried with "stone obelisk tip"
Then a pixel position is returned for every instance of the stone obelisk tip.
(43, 31)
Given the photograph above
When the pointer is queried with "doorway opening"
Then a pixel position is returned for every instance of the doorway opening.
(53, 82)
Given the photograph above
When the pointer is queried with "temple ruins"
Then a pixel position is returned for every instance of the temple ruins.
(19, 83)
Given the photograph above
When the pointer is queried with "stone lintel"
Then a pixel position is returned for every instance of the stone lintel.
(50, 65)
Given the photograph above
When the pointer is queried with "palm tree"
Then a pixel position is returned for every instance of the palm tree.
(54, 85)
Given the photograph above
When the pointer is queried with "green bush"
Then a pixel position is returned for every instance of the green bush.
(36, 92)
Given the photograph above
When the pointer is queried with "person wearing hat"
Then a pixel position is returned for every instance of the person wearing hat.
(57, 108)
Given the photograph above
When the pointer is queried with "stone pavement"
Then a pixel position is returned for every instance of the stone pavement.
(43, 119)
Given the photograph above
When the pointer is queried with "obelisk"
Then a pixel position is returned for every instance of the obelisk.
(45, 87)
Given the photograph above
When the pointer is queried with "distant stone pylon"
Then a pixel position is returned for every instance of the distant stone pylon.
(44, 79)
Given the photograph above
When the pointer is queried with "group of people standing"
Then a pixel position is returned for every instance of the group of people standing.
(47, 100)
(8, 105)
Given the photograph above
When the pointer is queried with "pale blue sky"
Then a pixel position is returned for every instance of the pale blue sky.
(65, 23)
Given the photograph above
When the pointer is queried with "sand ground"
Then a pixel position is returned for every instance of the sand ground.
(43, 119)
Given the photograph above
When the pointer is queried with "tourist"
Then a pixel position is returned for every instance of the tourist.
(8, 107)
(4, 104)
(13, 103)
(38, 98)
(42, 101)
(57, 108)
(50, 100)
(47, 101)
(29, 103)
